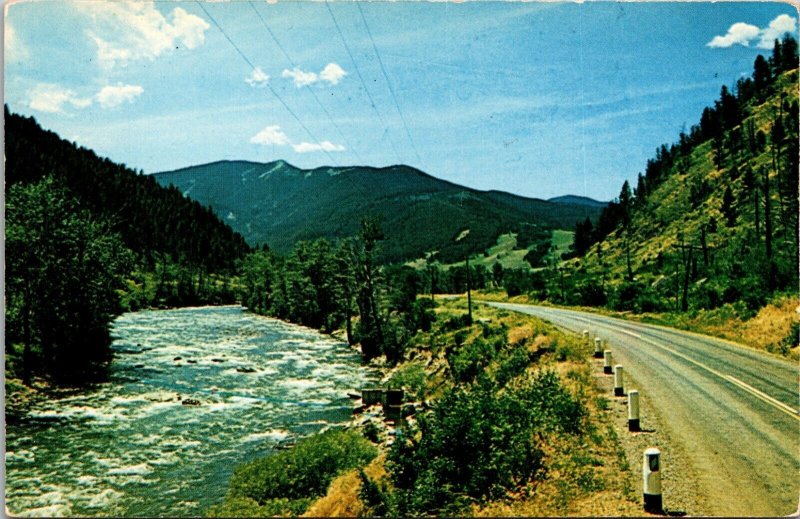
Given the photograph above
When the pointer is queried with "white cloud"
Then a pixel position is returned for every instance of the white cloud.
(125, 31)
(744, 34)
(300, 77)
(332, 73)
(111, 96)
(308, 147)
(271, 135)
(51, 98)
(776, 29)
(741, 33)
(257, 78)
(14, 49)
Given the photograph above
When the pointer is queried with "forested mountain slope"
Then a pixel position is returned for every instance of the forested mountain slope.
(279, 204)
(714, 217)
(151, 219)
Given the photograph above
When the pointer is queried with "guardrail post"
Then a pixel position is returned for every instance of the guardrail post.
(651, 471)
(598, 348)
(585, 334)
(607, 362)
(619, 389)
(633, 411)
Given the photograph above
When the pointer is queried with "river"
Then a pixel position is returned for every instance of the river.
(130, 447)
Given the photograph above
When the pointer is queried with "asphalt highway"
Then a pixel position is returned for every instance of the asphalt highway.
(734, 410)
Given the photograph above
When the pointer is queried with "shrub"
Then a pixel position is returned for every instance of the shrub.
(286, 480)
(477, 444)
(412, 378)
(513, 365)
(469, 360)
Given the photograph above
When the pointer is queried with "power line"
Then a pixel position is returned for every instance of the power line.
(316, 98)
(252, 67)
(361, 78)
(389, 83)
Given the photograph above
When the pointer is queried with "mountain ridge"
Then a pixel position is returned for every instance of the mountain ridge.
(279, 204)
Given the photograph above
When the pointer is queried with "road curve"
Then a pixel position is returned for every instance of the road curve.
(734, 410)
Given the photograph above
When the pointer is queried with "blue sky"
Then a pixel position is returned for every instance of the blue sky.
(539, 99)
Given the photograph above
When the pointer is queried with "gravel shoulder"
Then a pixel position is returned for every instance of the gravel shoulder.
(724, 416)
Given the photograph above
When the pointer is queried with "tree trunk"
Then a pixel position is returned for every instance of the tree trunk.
(768, 232)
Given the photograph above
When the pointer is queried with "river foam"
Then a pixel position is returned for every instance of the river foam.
(191, 393)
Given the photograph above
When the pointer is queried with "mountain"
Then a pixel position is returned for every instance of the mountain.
(278, 204)
(577, 200)
(152, 220)
(714, 218)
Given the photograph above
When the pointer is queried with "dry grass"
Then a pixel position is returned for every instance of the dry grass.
(520, 335)
(772, 324)
(342, 500)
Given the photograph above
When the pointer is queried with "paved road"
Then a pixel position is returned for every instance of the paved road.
(734, 410)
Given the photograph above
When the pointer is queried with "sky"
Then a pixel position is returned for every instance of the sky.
(537, 99)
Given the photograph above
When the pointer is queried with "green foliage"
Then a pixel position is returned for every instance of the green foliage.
(511, 366)
(792, 339)
(478, 443)
(469, 360)
(246, 507)
(412, 377)
(63, 270)
(374, 496)
(286, 482)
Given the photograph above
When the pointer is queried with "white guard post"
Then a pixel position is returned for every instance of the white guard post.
(633, 411)
(598, 348)
(619, 386)
(651, 470)
(607, 362)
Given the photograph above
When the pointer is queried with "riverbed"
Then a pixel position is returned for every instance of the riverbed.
(191, 393)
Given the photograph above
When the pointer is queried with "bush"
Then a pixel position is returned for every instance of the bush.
(513, 365)
(412, 378)
(477, 444)
(470, 360)
(287, 479)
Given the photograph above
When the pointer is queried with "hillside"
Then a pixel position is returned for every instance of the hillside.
(151, 220)
(713, 220)
(279, 204)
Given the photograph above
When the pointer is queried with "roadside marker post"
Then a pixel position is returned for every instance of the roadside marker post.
(619, 389)
(607, 362)
(586, 335)
(651, 472)
(633, 411)
(598, 348)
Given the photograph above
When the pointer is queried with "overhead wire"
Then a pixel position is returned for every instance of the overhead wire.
(363, 83)
(311, 90)
(277, 96)
(389, 83)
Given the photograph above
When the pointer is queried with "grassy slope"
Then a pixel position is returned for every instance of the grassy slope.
(669, 212)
